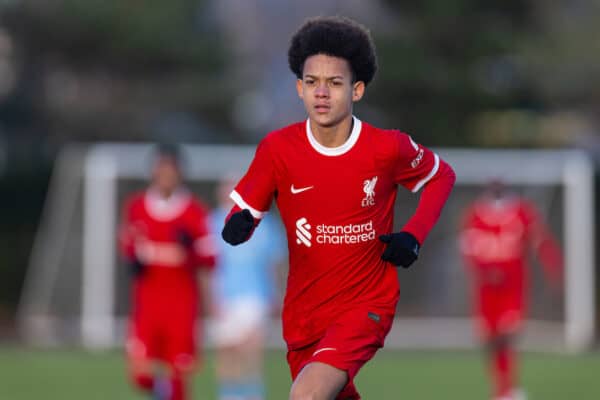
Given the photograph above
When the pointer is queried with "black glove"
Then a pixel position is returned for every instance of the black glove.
(136, 268)
(239, 227)
(402, 248)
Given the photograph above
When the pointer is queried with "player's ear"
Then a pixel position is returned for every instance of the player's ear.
(299, 88)
(358, 90)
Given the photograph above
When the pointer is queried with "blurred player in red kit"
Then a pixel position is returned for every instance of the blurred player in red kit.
(164, 239)
(335, 180)
(498, 230)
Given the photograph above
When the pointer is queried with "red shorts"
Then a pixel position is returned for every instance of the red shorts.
(349, 342)
(165, 336)
(500, 312)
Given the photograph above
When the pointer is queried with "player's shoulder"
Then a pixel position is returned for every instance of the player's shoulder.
(278, 144)
(474, 212)
(133, 205)
(135, 199)
(526, 207)
(390, 143)
(481, 205)
(197, 205)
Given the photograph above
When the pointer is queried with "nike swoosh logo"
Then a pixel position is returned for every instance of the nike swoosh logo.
(300, 190)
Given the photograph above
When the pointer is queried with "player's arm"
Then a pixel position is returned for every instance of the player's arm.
(467, 238)
(198, 239)
(252, 197)
(469, 245)
(127, 238)
(545, 245)
(418, 168)
(206, 280)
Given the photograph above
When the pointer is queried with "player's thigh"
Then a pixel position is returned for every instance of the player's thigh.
(511, 321)
(252, 351)
(227, 363)
(318, 381)
(141, 349)
(503, 322)
(352, 340)
(180, 343)
(348, 344)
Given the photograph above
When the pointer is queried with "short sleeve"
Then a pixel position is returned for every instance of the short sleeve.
(534, 222)
(127, 231)
(415, 165)
(204, 241)
(256, 189)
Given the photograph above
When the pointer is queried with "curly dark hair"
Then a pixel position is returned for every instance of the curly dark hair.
(338, 37)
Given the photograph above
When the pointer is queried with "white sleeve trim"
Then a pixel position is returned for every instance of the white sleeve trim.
(434, 170)
(235, 196)
(412, 142)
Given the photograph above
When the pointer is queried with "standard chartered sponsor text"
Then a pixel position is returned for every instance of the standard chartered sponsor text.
(345, 234)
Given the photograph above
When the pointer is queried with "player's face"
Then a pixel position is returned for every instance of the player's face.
(166, 176)
(327, 89)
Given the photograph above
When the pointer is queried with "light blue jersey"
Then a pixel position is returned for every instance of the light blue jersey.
(248, 270)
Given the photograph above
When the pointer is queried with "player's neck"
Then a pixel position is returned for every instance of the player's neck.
(165, 193)
(335, 135)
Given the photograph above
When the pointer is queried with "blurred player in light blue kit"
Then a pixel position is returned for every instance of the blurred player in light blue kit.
(245, 295)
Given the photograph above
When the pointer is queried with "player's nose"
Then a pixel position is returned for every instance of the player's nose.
(322, 90)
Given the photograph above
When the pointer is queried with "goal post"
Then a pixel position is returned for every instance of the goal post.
(74, 291)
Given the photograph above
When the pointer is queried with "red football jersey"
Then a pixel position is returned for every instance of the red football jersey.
(334, 203)
(169, 236)
(496, 237)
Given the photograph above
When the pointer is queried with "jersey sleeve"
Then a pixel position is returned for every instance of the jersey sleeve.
(544, 244)
(126, 232)
(204, 243)
(256, 189)
(415, 164)
(467, 236)
(417, 167)
(471, 245)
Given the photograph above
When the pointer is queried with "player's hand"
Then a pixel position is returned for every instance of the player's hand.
(184, 238)
(136, 267)
(238, 228)
(402, 248)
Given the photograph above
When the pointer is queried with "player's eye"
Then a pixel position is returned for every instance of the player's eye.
(309, 81)
(336, 83)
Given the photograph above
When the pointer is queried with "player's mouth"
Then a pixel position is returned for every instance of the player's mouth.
(322, 108)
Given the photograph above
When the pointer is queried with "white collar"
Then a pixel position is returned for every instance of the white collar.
(496, 210)
(165, 209)
(335, 151)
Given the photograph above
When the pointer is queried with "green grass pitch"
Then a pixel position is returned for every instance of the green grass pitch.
(27, 374)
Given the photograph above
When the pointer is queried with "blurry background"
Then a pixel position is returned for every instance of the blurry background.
(453, 73)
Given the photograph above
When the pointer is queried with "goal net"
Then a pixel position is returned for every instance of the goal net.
(76, 291)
